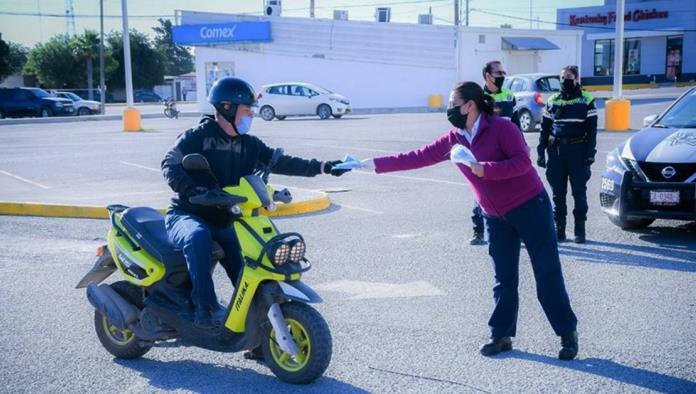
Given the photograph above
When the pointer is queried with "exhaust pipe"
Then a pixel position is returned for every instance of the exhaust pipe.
(110, 304)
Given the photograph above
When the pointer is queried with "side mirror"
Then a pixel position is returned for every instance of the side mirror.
(648, 120)
(195, 162)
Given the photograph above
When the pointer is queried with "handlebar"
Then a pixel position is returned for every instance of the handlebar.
(217, 198)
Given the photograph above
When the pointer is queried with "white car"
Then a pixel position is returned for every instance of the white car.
(280, 100)
(82, 107)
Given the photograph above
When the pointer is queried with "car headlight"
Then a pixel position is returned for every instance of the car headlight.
(280, 254)
(297, 251)
(615, 163)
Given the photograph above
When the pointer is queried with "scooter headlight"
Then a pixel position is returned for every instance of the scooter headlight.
(236, 209)
(297, 251)
(280, 254)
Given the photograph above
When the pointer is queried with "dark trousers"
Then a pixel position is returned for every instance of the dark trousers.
(477, 218)
(567, 162)
(195, 237)
(532, 223)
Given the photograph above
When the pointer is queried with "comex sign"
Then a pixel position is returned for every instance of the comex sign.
(222, 32)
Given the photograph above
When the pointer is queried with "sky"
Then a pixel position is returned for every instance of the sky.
(31, 29)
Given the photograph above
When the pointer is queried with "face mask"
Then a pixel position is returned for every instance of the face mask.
(568, 85)
(456, 118)
(244, 125)
(499, 82)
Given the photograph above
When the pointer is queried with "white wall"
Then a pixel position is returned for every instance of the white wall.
(367, 85)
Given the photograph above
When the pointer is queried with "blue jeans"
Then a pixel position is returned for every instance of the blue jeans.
(477, 218)
(195, 237)
(532, 223)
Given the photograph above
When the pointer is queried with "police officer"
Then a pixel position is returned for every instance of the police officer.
(232, 153)
(494, 76)
(569, 136)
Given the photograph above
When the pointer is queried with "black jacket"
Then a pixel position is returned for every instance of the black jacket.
(230, 158)
(571, 116)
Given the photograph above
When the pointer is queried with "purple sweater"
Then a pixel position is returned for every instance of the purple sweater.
(509, 180)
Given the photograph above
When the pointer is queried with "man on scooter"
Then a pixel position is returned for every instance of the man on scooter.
(232, 154)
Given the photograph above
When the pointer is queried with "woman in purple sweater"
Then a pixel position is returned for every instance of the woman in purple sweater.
(516, 208)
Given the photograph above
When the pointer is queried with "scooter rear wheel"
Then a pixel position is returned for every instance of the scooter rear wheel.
(313, 338)
(121, 343)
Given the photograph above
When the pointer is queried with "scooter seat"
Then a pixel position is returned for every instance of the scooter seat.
(146, 226)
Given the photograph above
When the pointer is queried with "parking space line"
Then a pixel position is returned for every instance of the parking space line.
(414, 178)
(361, 209)
(352, 148)
(24, 179)
(140, 166)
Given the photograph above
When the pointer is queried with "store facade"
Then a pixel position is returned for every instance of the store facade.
(659, 41)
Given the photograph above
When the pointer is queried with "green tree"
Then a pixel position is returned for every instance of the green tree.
(147, 63)
(86, 49)
(13, 56)
(178, 59)
(54, 64)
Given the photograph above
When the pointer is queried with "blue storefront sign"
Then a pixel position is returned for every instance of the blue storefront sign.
(222, 33)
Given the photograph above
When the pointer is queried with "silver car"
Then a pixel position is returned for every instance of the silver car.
(82, 107)
(531, 92)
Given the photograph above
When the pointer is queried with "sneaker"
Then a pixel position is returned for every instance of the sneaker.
(569, 346)
(496, 345)
(477, 239)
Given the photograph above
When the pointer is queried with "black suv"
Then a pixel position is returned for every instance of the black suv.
(20, 102)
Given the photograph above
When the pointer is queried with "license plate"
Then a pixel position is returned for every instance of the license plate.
(664, 197)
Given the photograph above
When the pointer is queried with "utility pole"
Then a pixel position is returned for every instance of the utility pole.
(456, 12)
(38, 9)
(467, 13)
(311, 8)
(131, 116)
(530, 15)
(102, 87)
(619, 50)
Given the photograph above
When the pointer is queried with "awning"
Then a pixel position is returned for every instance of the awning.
(527, 44)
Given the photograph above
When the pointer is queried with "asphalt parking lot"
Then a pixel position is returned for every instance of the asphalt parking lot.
(406, 297)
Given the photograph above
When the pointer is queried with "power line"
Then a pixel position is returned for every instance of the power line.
(51, 15)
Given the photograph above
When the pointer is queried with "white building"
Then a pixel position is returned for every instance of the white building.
(377, 65)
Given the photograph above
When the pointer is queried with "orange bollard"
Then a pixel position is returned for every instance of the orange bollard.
(617, 115)
(131, 120)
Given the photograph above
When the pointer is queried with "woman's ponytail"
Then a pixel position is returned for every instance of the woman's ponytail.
(472, 91)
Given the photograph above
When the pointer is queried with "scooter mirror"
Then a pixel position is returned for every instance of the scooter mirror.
(195, 162)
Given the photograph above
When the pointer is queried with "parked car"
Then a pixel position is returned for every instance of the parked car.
(280, 100)
(531, 92)
(146, 96)
(20, 102)
(652, 175)
(82, 107)
(96, 95)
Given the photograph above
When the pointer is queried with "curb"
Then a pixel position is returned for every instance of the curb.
(100, 212)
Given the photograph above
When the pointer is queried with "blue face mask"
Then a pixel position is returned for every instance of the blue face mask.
(244, 125)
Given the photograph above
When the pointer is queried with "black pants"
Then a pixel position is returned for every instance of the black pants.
(567, 162)
(531, 222)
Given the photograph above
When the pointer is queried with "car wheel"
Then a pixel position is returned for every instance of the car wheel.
(267, 113)
(526, 121)
(337, 116)
(83, 111)
(324, 112)
(281, 117)
(631, 224)
(46, 112)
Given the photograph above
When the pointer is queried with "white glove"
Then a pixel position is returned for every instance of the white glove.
(367, 164)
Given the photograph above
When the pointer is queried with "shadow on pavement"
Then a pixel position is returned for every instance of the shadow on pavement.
(201, 377)
(609, 369)
(675, 251)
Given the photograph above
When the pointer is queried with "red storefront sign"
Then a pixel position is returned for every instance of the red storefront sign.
(610, 17)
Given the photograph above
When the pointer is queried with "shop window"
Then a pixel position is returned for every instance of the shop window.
(604, 58)
(674, 57)
(631, 64)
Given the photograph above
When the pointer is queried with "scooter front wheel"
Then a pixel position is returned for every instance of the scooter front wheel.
(121, 343)
(313, 338)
